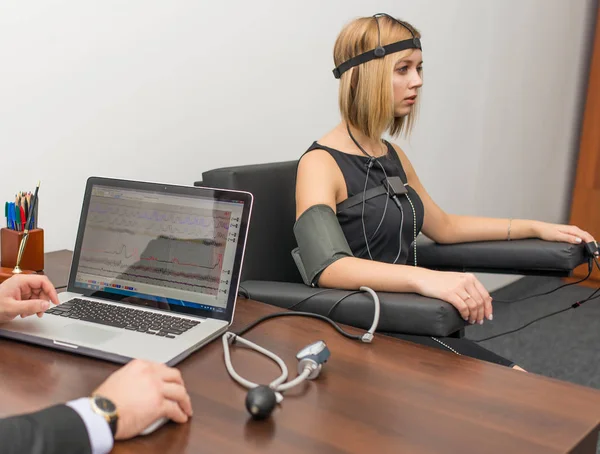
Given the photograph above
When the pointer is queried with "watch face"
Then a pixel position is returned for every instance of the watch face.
(105, 405)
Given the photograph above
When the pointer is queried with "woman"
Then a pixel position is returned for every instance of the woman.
(379, 63)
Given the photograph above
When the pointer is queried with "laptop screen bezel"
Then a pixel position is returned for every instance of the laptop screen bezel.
(226, 195)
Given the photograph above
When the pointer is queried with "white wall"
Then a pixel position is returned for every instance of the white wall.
(162, 91)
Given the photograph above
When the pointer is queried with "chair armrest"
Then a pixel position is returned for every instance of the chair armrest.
(530, 256)
(406, 313)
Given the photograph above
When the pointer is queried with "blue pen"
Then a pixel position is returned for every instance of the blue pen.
(17, 217)
(14, 217)
(9, 216)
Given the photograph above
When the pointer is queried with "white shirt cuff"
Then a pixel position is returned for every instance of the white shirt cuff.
(101, 439)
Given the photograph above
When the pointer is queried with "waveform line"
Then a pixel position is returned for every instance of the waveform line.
(123, 251)
(158, 216)
(199, 241)
(113, 263)
(175, 260)
(157, 227)
(215, 289)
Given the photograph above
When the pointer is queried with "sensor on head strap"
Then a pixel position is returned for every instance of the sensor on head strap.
(380, 51)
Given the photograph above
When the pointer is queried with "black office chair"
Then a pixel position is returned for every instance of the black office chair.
(270, 275)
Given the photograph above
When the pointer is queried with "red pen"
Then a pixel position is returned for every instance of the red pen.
(23, 218)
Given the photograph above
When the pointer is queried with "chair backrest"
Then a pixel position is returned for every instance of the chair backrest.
(271, 237)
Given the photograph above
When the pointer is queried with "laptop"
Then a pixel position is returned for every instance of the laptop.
(155, 273)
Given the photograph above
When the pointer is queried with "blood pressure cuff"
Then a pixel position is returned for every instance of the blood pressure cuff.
(321, 242)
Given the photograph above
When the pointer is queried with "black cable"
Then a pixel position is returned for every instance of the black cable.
(382, 216)
(340, 300)
(524, 326)
(376, 17)
(60, 288)
(572, 306)
(298, 314)
(590, 267)
(362, 212)
(399, 205)
(293, 306)
(591, 297)
(596, 262)
(372, 160)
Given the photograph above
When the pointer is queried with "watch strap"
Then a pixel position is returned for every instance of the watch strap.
(111, 419)
(112, 423)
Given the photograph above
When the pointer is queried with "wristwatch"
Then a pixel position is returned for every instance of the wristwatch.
(107, 409)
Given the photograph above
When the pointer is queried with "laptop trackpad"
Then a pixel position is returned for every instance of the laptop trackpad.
(79, 333)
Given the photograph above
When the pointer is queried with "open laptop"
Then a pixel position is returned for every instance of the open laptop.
(155, 273)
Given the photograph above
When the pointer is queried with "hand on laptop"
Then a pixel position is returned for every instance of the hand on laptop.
(144, 392)
(25, 295)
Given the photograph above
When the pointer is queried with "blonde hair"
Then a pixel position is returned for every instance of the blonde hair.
(366, 94)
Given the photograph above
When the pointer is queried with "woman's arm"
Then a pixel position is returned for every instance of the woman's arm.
(319, 181)
(460, 229)
(447, 228)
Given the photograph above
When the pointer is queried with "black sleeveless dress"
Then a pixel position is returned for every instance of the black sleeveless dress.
(388, 233)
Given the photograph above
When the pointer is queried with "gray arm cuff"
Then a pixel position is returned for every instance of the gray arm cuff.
(321, 242)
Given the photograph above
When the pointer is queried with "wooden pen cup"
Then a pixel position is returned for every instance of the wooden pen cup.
(33, 255)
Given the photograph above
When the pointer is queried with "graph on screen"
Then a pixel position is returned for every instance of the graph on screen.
(174, 247)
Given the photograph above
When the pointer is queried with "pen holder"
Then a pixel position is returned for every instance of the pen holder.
(33, 255)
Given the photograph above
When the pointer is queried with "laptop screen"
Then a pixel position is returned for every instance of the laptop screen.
(170, 250)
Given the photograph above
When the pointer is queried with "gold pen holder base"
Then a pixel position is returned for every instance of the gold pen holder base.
(6, 273)
(33, 255)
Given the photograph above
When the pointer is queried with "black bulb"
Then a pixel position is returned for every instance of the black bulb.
(260, 402)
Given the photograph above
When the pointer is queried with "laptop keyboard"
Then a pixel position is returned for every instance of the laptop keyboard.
(123, 317)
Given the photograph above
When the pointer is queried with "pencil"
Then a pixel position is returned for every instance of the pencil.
(32, 207)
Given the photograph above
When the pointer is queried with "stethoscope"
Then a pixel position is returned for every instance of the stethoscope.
(262, 399)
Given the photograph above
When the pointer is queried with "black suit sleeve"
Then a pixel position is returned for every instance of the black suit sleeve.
(54, 430)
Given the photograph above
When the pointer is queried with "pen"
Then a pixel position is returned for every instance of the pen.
(11, 212)
(26, 224)
(32, 207)
(17, 217)
(22, 218)
(35, 213)
(28, 197)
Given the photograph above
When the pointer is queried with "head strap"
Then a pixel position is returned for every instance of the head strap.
(380, 51)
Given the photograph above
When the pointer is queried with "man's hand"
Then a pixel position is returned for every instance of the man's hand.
(24, 295)
(144, 392)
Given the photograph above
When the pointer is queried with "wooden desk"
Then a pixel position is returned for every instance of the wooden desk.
(391, 396)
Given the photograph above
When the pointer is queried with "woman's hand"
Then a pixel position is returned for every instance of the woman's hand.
(24, 295)
(564, 233)
(463, 291)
